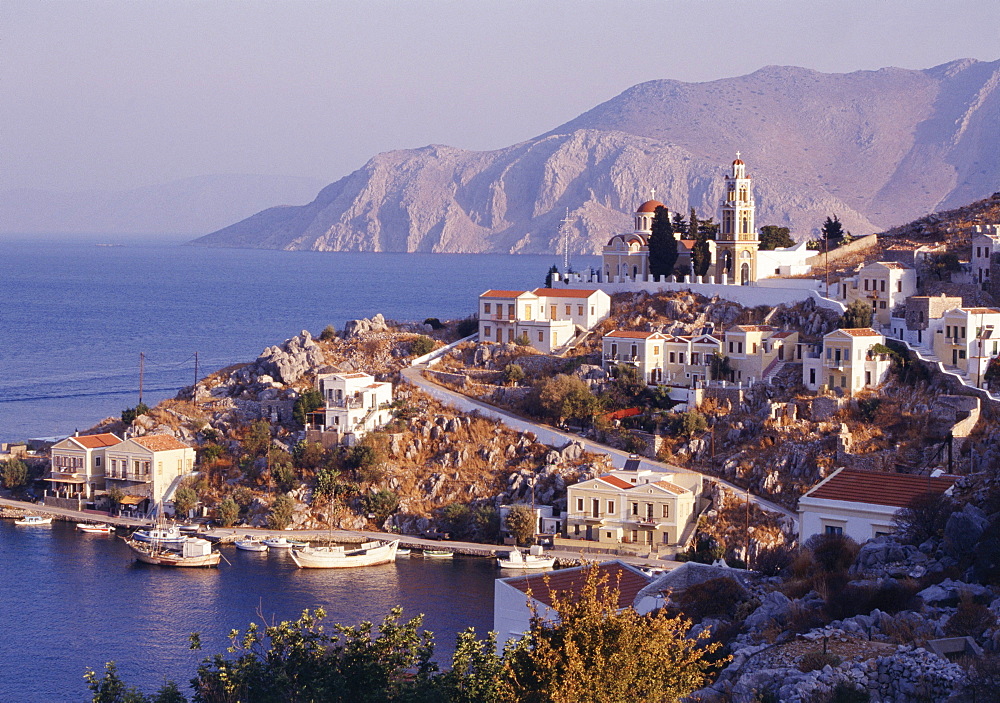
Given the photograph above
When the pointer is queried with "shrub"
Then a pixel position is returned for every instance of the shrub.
(773, 561)
(468, 326)
(889, 596)
(435, 324)
(281, 513)
(379, 505)
(512, 374)
(522, 340)
(857, 314)
(229, 512)
(832, 553)
(185, 500)
(924, 518)
(209, 453)
(130, 414)
(971, 619)
(328, 333)
(718, 597)
(15, 473)
(520, 524)
(814, 661)
(310, 399)
(422, 345)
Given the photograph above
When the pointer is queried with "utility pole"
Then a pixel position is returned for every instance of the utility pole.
(748, 529)
(194, 388)
(142, 364)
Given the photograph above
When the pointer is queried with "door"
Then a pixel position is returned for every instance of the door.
(954, 357)
(745, 274)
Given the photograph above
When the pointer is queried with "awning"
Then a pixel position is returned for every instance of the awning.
(66, 479)
(131, 500)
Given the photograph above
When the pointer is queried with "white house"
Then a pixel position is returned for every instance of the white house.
(549, 317)
(354, 404)
(148, 469)
(846, 360)
(512, 606)
(967, 339)
(687, 359)
(643, 350)
(861, 504)
(78, 465)
(883, 285)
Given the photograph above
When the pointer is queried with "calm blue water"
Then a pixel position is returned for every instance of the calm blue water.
(73, 601)
(74, 316)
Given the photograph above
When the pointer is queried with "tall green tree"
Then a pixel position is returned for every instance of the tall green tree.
(185, 500)
(548, 277)
(281, 513)
(662, 244)
(680, 226)
(833, 232)
(701, 256)
(709, 228)
(692, 224)
(520, 523)
(858, 314)
(15, 474)
(229, 512)
(774, 237)
(309, 400)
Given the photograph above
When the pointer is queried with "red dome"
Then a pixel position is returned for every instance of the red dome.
(738, 162)
(650, 206)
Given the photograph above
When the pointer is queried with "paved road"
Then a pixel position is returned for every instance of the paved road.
(556, 438)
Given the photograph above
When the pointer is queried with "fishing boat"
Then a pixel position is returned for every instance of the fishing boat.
(282, 543)
(164, 536)
(99, 528)
(338, 557)
(438, 554)
(34, 520)
(516, 560)
(402, 552)
(251, 544)
(194, 552)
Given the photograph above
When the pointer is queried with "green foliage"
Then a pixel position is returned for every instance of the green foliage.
(520, 523)
(15, 474)
(309, 400)
(379, 505)
(434, 323)
(868, 407)
(281, 513)
(548, 277)
(701, 256)
(115, 495)
(814, 661)
(720, 367)
(185, 500)
(486, 519)
(257, 440)
(366, 458)
(774, 237)
(110, 688)
(512, 374)
(522, 340)
(688, 423)
(229, 512)
(662, 244)
(243, 497)
(282, 472)
(718, 597)
(833, 231)
(940, 264)
(832, 553)
(626, 389)
(858, 314)
(680, 226)
(924, 518)
(209, 453)
(595, 652)
(708, 228)
(422, 345)
(309, 455)
(328, 333)
(705, 550)
(467, 326)
(130, 414)
(565, 397)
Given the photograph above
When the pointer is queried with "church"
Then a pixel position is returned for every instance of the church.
(736, 256)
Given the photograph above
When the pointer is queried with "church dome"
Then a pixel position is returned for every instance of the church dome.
(738, 162)
(650, 206)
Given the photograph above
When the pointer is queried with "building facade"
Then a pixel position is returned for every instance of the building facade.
(148, 469)
(550, 318)
(967, 339)
(78, 466)
(737, 244)
(846, 360)
(643, 350)
(354, 404)
(882, 285)
(985, 243)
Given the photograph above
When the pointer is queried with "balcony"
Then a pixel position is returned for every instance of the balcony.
(500, 317)
(348, 403)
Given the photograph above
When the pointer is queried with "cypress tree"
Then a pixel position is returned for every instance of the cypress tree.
(662, 244)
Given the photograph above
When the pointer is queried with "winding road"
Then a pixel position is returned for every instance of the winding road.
(556, 438)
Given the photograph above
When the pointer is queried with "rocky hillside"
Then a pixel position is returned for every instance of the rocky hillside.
(875, 147)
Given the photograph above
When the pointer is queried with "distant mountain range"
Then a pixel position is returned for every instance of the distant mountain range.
(190, 206)
(876, 148)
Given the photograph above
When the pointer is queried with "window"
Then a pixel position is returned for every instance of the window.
(592, 310)
(831, 381)
(635, 351)
(579, 310)
(635, 508)
(695, 358)
(881, 304)
(486, 308)
(569, 309)
(899, 286)
(656, 351)
(963, 333)
(552, 312)
(730, 347)
(510, 311)
(961, 353)
(97, 461)
(947, 331)
(755, 347)
(882, 286)
(539, 335)
(866, 284)
(527, 312)
(611, 507)
(666, 510)
(649, 511)
(579, 505)
(739, 347)
(486, 331)
(680, 357)
(673, 357)
(614, 349)
(159, 467)
(833, 530)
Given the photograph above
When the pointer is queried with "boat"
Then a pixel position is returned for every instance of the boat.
(337, 557)
(402, 552)
(164, 536)
(516, 560)
(251, 544)
(438, 554)
(99, 528)
(282, 543)
(29, 520)
(194, 552)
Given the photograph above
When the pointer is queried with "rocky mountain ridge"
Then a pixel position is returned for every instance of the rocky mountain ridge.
(875, 147)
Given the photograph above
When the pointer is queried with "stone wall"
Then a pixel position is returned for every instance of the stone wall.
(921, 309)
(860, 244)
(455, 379)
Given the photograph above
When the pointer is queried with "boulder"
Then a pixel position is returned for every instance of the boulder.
(357, 328)
(963, 530)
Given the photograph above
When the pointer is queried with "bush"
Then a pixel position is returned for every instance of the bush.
(773, 561)
(924, 518)
(379, 505)
(209, 453)
(328, 333)
(310, 399)
(229, 512)
(512, 374)
(15, 474)
(889, 596)
(718, 597)
(422, 345)
(971, 619)
(281, 513)
(435, 324)
(130, 414)
(467, 327)
(185, 500)
(520, 524)
(832, 553)
(814, 661)
(522, 340)
(857, 314)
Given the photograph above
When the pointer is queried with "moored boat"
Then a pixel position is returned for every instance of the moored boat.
(438, 554)
(402, 552)
(251, 544)
(194, 552)
(282, 543)
(98, 528)
(163, 536)
(516, 560)
(337, 557)
(36, 520)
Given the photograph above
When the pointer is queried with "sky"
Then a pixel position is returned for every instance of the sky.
(121, 94)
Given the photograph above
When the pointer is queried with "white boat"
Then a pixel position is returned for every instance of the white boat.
(164, 536)
(29, 520)
(251, 544)
(402, 552)
(195, 552)
(438, 554)
(516, 560)
(99, 528)
(337, 557)
(282, 543)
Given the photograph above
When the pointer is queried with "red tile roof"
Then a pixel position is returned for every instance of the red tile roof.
(569, 583)
(615, 481)
(627, 334)
(96, 441)
(159, 442)
(672, 487)
(897, 490)
(563, 292)
(502, 293)
(755, 328)
(982, 311)
(650, 206)
(621, 414)
(860, 332)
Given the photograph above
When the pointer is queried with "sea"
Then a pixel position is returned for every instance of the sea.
(75, 315)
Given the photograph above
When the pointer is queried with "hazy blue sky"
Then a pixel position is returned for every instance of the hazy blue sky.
(100, 95)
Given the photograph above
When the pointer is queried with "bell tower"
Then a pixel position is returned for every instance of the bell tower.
(736, 248)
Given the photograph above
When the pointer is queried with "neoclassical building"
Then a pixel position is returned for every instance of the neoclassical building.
(736, 248)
